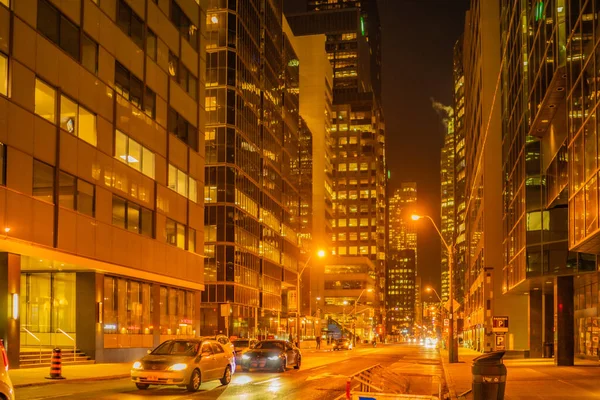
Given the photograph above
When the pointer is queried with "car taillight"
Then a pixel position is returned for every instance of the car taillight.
(4, 358)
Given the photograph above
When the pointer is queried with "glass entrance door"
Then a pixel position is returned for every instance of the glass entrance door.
(48, 309)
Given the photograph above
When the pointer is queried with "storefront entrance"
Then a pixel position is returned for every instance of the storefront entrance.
(47, 309)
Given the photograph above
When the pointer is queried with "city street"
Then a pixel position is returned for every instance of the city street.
(322, 376)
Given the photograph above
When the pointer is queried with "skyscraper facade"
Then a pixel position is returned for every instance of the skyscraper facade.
(460, 175)
(357, 131)
(552, 207)
(483, 196)
(447, 179)
(400, 292)
(252, 200)
(102, 108)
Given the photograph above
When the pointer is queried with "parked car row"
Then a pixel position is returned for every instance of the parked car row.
(191, 362)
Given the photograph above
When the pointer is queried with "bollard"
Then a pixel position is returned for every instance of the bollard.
(56, 365)
(348, 389)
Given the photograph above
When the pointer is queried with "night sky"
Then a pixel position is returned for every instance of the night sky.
(418, 38)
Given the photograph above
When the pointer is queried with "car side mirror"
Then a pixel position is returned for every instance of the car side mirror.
(149, 351)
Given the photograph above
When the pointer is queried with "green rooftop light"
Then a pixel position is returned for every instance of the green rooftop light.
(362, 25)
(539, 10)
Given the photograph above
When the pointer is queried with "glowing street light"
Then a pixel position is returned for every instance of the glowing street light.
(320, 254)
(453, 343)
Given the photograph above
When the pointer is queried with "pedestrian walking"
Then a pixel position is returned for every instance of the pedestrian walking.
(318, 342)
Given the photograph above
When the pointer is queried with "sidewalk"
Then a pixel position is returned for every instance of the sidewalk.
(89, 372)
(534, 378)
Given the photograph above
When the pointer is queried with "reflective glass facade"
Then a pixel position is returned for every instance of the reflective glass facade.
(252, 147)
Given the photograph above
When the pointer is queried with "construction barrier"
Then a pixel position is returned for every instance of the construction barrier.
(56, 365)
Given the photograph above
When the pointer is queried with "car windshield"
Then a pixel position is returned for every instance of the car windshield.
(177, 348)
(241, 343)
(269, 345)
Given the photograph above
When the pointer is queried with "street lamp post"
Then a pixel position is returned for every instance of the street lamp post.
(355, 318)
(453, 343)
(320, 254)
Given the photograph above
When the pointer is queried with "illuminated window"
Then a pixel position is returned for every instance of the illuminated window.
(364, 222)
(353, 167)
(364, 236)
(210, 233)
(343, 140)
(3, 75)
(342, 236)
(210, 103)
(353, 140)
(352, 222)
(353, 250)
(342, 251)
(134, 154)
(364, 250)
(353, 235)
(353, 195)
(175, 233)
(342, 167)
(341, 222)
(45, 101)
(78, 121)
(210, 194)
(373, 250)
(183, 184)
(364, 166)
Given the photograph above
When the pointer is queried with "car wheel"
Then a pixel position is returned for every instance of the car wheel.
(195, 381)
(142, 386)
(226, 376)
(283, 366)
(298, 362)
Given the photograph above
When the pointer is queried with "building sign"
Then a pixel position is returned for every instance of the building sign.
(500, 324)
(225, 310)
(292, 298)
(500, 341)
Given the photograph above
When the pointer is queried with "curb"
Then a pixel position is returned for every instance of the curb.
(66, 380)
(448, 378)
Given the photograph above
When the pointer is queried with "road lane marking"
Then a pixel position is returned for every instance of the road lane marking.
(324, 375)
(314, 369)
(268, 380)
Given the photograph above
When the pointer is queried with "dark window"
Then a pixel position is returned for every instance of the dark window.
(130, 216)
(85, 198)
(150, 103)
(58, 28)
(43, 181)
(182, 75)
(2, 164)
(119, 206)
(188, 30)
(89, 54)
(130, 23)
(192, 239)
(132, 89)
(151, 45)
(66, 190)
(175, 233)
(185, 131)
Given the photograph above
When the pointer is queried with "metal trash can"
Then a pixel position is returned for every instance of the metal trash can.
(489, 376)
(548, 349)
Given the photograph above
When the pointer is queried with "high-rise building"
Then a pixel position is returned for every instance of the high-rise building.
(357, 134)
(551, 207)
(400, 291)
(316, 81)
(102, 108)
(251, 198)
(402, 205)
(460, 175)
(483, 197)
(447, 179)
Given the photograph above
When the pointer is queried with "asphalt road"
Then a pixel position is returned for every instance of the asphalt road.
(322, 376)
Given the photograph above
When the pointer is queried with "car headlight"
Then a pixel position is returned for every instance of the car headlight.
(178, 367)
(137, 365)
(273, 358)
(245, 357)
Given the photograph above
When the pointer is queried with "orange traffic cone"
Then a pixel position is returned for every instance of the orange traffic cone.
(56, 365)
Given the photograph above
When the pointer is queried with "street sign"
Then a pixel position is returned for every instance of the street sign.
(500, 341)
(225, 310)
(500, 324)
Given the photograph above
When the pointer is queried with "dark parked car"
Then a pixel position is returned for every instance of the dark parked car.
(241, 347)
(272, 354)
(342, 344)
